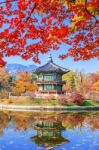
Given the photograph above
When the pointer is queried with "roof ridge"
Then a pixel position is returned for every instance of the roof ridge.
(54, 64)
(58, 66)
(43, 65)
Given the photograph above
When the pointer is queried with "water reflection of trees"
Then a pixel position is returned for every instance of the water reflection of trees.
(49, 126)
(23, 121)
(4, 119)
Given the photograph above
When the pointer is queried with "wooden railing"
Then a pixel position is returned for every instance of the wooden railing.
(50, 92)
(50, 82)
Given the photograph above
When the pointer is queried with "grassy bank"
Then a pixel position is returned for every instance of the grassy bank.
(27, 102)
(90, 103)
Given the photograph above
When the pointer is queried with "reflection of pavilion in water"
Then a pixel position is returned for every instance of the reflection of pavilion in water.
(49, 134)
(49, 126)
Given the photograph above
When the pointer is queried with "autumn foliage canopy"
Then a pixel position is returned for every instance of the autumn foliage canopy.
(31, 27)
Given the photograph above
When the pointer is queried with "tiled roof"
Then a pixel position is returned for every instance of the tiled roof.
(51, 67)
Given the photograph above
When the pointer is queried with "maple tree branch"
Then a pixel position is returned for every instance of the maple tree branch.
(31, 12)
(89, 12)
(8, 1)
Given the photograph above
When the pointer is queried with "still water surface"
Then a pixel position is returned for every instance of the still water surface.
(49, 130)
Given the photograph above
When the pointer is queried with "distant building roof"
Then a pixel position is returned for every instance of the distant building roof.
(51, 67)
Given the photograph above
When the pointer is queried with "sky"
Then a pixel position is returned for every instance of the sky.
(88, 66)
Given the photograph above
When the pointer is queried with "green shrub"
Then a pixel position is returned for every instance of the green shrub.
(88, 103)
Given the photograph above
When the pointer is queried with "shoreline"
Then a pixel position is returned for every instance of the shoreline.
(48, 108)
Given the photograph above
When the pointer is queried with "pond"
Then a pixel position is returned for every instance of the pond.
(49, 130)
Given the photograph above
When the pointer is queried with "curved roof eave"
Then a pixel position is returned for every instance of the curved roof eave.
(51, 67)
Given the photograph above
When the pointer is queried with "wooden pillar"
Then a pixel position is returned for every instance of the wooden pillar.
(56, 88)
(43, 76)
